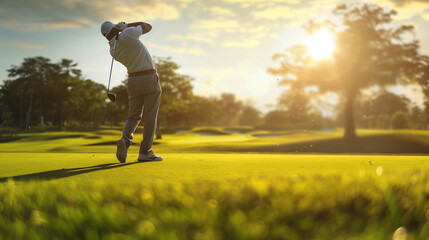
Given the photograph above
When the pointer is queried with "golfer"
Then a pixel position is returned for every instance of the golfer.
(144, 89)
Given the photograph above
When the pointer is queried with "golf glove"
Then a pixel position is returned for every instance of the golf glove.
(121, 25)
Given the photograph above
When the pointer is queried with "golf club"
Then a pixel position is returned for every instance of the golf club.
(112, 96)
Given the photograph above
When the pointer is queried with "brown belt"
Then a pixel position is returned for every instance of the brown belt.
(141, 73)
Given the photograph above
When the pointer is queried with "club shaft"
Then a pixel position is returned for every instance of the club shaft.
(111, 65)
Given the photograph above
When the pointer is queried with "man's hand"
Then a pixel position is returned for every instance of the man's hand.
(121, 26)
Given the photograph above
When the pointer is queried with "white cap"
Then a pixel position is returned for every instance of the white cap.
(106, 27)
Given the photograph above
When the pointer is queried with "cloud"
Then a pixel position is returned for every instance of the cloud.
(221, 12)
(177, 50)
(198, 37)
(410, 10)
(426, 16)
(261, 3)
(405, 2)
(228, 69)
(21, 44)
(25, 26)
(140, 12)
(260, 83)
(215, 24)
(274, 35)
(406, 9)
(210, 81)
(285, 12)
(248, 44)
(251, 28)
(32, 15)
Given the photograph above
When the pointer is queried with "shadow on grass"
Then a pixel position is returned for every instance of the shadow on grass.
(113, 143)
(370, 144)
(92, 137)
(64, 136)
(13, 138)
(6, 139)
(387, 144)
(65, 172)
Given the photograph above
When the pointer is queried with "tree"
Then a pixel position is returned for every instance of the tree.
(400, 120)
(229, 109)
(176, 92)
(423, 80)
(13, 99)
(64, 84)
(297, 105)
(51, 92)
(276, 117)
(387, 103)
(202, 111)
(90, 109)
(416, 118)
(368, 52)
(250, 116)
(377, 112)
(118, 111)
(32, 78)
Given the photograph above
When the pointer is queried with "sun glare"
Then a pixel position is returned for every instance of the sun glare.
(321, 44)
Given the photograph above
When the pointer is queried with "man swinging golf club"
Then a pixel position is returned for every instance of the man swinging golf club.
(144, 89)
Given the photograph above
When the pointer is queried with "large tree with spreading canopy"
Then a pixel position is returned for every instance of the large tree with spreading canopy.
(369, 51)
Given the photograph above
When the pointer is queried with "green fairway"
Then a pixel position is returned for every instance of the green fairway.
(213, 185)
(195, 166)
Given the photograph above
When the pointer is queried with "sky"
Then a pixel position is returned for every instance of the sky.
(225, 45)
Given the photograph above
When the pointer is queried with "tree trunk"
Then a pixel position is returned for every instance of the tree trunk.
(27, 124)
(425, 120)
(350, 128)
(42, 123)
(158, 131)
(70, 121)
(60, 117)
(21, 123)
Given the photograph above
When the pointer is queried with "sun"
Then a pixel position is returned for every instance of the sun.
(321, 44)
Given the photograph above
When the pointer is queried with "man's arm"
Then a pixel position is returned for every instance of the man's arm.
(146, 27)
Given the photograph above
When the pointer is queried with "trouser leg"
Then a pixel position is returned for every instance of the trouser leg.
(133, 120)
(151, 107)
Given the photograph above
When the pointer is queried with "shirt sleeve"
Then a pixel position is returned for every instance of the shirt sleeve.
(134, 32)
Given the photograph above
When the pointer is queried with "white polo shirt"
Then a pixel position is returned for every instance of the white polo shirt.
(130, 51)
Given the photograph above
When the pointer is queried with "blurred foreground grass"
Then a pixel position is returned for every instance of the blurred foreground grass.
(365, 205)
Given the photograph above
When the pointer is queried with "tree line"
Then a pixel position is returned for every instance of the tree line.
(41, 93)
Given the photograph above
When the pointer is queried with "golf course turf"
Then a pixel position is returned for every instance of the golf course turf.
(218, 185)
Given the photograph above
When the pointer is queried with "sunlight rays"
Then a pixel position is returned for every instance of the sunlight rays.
(321, 44)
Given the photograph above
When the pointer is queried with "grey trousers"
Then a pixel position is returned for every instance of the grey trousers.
(144, 95)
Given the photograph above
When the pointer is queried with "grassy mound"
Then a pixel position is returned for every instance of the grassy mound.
(240, 130)
(210, 132)
(259, 135)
